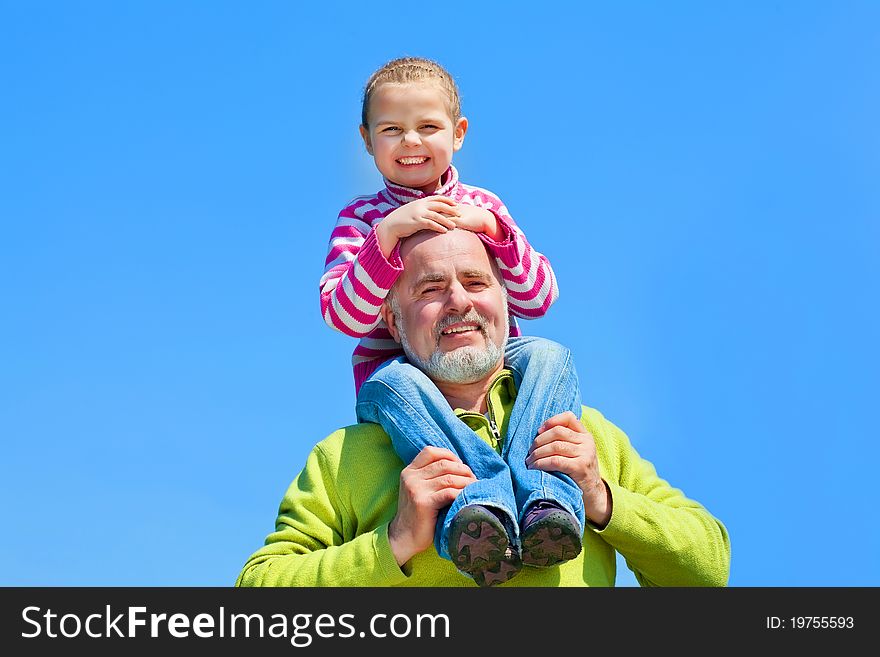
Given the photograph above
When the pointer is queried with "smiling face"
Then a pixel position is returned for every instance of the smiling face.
(449, 308)
(411, 134)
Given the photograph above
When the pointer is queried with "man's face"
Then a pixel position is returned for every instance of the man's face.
(449, 309)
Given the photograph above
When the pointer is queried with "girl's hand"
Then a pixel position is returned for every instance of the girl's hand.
(479, 220)
(430, 213)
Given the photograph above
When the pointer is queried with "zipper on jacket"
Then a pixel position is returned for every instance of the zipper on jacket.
(495, 435)
(491, 416)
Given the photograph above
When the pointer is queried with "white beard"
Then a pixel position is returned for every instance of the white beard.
(462, 365)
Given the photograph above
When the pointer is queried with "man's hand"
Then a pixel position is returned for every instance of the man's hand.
(564, 445)
(478, 220)
(432, 481)
(430, 213)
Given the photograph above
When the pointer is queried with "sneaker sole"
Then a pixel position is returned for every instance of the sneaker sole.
(479, 547)
(551, 541)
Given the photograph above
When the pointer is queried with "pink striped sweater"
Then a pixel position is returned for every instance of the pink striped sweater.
(357, 276)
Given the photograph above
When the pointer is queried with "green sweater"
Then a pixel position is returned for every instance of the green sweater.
(332, 525)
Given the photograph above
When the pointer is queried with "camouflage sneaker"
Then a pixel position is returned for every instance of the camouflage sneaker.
(550, 535)
(480, 548)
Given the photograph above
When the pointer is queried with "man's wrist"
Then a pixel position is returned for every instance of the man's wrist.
(598, 504)
(401, 552)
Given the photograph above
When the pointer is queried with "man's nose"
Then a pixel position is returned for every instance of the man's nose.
(411, 138)
(458, 301)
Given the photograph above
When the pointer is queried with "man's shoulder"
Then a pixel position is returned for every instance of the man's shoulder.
(354, 434)
(613, 447)
(591, 415)
(365, 440)
(604, 432)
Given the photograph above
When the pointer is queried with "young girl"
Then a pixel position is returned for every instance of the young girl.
(411, 124)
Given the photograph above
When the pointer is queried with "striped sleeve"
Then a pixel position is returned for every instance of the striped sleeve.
(527, 274)
(371, 352)
(357, 276)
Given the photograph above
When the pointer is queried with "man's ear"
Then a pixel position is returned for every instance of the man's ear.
(365, 135)
(458, 133)
(390, 320)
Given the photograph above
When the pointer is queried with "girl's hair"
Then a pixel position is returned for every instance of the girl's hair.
(407, 70)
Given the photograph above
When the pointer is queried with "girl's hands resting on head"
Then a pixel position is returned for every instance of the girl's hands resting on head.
(479, 220)
(430, 213)
(437, 213)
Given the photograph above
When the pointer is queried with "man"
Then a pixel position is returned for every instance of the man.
(355, 516)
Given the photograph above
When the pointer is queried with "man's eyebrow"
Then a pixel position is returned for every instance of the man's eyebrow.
(429, 278)
(475, 273)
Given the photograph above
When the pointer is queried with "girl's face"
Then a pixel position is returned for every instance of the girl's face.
(411, 135)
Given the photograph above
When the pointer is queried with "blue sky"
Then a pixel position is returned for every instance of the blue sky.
(702, 176)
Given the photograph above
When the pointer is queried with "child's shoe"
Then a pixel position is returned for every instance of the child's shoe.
(480, 547)
(550, 535)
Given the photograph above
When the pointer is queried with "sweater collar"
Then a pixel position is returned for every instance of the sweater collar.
(404, 195)
(501, 393)
(492, 427)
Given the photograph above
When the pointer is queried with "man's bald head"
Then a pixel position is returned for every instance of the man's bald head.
(465, 239)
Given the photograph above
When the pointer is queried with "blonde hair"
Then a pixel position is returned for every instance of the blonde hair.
(410, 70)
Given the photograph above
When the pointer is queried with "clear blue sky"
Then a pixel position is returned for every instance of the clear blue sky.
(702, 176)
